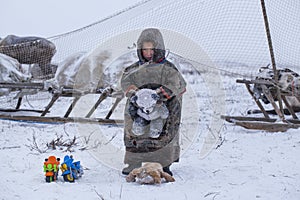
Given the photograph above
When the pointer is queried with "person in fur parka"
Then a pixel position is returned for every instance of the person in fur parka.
(153, 71)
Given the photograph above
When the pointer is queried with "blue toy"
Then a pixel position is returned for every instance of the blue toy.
(71, 170)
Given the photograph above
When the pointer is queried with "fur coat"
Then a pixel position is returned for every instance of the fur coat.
(159, 73)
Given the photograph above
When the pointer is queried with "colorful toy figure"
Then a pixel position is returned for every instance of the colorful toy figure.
(51, 167)
(71, 170)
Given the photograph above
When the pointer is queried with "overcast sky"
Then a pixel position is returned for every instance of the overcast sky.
(47, 18)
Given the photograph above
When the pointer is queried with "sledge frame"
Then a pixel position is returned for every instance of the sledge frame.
(65, 92)
(266, 123)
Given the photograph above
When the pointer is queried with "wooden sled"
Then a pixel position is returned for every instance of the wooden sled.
(66, 92)
(267, 123)
(261, 123)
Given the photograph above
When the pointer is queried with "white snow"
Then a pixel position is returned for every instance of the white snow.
(248, 164)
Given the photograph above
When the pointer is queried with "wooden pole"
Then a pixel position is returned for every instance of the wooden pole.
(267, 27)
(263, 6)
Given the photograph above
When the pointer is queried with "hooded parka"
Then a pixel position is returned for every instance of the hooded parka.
(157, 73)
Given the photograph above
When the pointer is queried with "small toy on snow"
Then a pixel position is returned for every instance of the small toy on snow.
(149, 173)
(71, 170)
(51, 168)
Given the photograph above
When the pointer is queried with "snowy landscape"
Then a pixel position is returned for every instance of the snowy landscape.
(246, 164)
(219, 160)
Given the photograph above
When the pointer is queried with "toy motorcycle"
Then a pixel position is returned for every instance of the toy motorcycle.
(71, 170)
(51, 167)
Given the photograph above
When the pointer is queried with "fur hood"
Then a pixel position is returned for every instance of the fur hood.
(155, 36)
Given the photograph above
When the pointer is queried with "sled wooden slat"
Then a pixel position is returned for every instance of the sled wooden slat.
(290, 109)
(233, 119)
(266, 123)
(113, 108)
(269, 96)
(20, 110)
(257, 101)
(71, 106)
(100, 99)
(53, 99)
(62, 119)
(264, 82)
(19, 102)
(261, 123)
(267, 126)
(64, 92)
(24, 85)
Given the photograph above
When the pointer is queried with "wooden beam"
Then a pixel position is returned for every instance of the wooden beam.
(269, 96)
(256, 81)
(233, 119)
(71, 106)
(257, 101)
(50, 104)
(100, 99)
(113, 108)
(288, 106)
(62, 119)
(267, 126)
(21, 85)
(21, 110)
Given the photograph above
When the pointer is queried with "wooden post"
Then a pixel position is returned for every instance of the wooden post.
(288, 106)
(19, 103)
(263, 6)
(54, 98)
(101, 98)
(113, 108)
(257, 102)
(71, 106)
(269, 96)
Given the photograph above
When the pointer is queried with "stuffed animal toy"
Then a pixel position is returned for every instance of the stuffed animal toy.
(149, 112)
(149, 173)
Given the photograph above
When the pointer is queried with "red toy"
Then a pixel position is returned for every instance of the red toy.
(51, 167)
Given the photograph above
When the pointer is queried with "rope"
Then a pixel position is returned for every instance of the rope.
(213, 67)
(100, 21)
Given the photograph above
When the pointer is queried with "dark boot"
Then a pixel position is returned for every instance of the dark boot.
(167, 170)
(130, 167)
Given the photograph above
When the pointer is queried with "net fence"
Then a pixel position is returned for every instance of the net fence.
(230, 35)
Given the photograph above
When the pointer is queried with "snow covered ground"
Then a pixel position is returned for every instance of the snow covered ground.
(247, 164)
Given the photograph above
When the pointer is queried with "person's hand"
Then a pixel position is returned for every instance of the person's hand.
(158, 90)
(164, 96)
(131, 90)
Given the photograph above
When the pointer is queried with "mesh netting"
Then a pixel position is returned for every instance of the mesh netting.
(230, 32)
